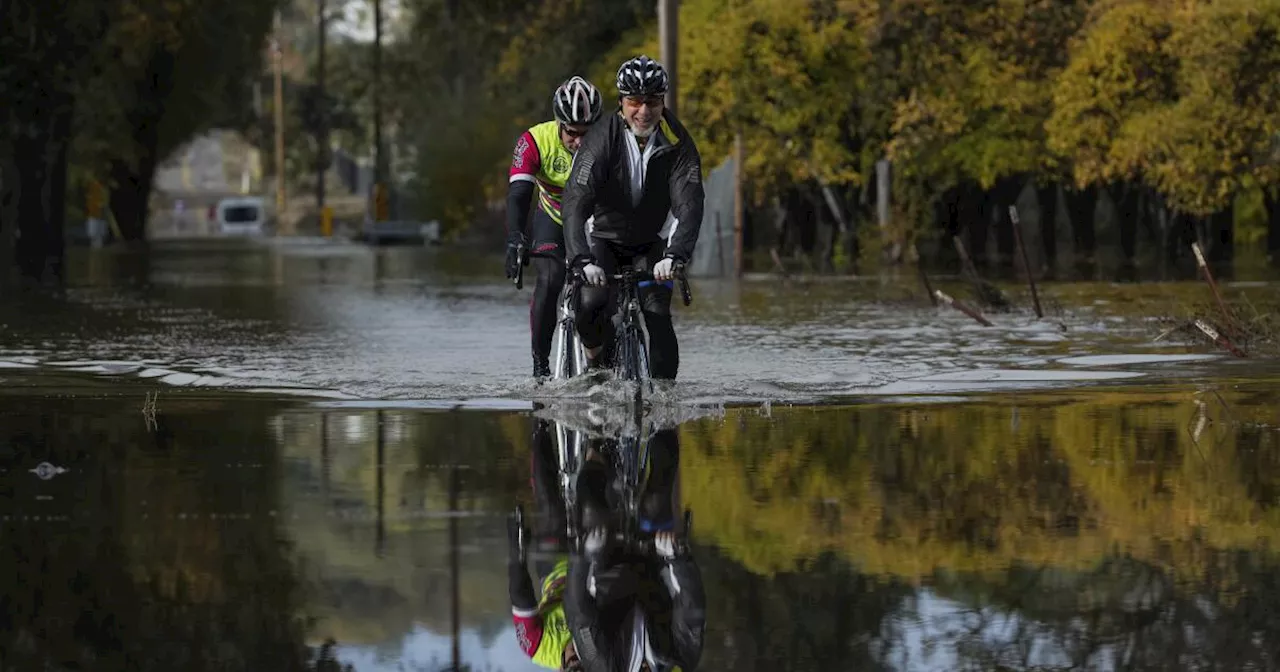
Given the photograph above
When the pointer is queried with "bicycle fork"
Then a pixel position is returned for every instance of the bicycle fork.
(570, 357)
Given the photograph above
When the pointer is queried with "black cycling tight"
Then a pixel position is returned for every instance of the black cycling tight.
(542, 308)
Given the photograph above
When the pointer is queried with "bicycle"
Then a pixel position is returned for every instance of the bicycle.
(631, 360)
(569, 357)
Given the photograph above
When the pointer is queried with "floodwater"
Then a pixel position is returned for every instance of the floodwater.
(431, 327)
(223, 457)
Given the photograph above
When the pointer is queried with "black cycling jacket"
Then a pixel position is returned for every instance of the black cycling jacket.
(600, 186)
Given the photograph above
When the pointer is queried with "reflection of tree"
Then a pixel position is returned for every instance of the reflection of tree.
(1074, 529)
(1061, 480)
(810, 619)
(142, 575)
(1122, 615)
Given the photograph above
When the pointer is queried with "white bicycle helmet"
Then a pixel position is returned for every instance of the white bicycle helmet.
(577, 102)
(642, 76)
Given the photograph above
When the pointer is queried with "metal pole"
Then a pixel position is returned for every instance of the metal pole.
(719, 248)
(1228, 319)
(322, 139)
(378, 171)
(1026, 263)
(738, 209)
(668, 38)
(282, 227)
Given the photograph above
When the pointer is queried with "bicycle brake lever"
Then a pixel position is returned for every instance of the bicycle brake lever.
(685, 294)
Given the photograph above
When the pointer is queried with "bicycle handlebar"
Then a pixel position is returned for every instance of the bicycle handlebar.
(645, 276)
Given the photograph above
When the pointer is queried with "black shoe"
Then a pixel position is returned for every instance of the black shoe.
(541, 370)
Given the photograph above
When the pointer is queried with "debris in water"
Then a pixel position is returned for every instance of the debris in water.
(960, 306)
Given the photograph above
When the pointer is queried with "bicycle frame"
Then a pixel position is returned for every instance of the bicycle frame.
(632, 362)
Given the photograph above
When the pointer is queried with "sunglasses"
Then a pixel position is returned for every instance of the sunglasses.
(651, 101)
(572, 132)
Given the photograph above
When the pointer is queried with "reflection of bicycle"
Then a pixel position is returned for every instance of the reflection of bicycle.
(629, 456)
(631, 358)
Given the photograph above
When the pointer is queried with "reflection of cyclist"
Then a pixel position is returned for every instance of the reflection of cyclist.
(540, 624)
(634, 197)
(629, 612)
(543, 156)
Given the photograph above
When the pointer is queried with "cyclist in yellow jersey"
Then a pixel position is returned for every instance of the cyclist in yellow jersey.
(541, 629)
(541, 161)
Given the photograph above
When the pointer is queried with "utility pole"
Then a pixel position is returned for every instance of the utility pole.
(455, 58)
(739, 209)
(668, 38)
(322, 139)
(278, 56)
(379, 167)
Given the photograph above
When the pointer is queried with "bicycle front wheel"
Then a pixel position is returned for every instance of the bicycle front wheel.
(566, 358)
(631, 355)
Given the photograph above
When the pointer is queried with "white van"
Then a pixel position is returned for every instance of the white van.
(242, 215)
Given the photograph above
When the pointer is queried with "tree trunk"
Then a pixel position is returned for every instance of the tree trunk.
(947, 213)
(8, 214)
(56, 226)
(1128, 215)
(1047, 199)
(1004, 195)
(1273, 225)
(785, 223)
(1219, 236)
(131, 195)
(807, 231)
(1167, 224)
(976, 216)
(1081, 204)
(40, 160)
(132, 181)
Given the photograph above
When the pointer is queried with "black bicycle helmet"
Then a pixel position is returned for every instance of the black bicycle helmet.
(642, 76)
(577, 102)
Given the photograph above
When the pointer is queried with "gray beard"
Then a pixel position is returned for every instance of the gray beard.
(644, 134)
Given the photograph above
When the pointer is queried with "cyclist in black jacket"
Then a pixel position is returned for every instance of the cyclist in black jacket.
(635, 197)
